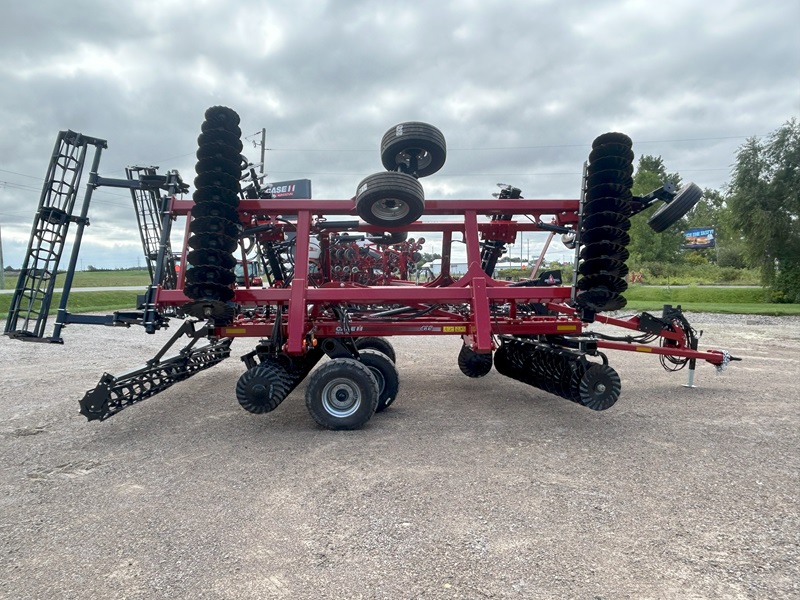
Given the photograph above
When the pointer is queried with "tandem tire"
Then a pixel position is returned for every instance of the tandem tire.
(390, 199)
(669, 213)
(415, 148)
(342, 394)
(385, 373)
(377, 343)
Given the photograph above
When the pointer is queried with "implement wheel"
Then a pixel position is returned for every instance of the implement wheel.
(377, 343)
(390, 199)
(385, 374)
(342, 394)
(669, 213)
(415, 148)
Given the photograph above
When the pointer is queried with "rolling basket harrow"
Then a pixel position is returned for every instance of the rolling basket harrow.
(340, 276)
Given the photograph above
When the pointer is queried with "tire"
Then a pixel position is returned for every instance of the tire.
(413, 140)
(670, 212)
(385, 374)
(377, 343)
(473, 364)
(342, 394)
(390, 199)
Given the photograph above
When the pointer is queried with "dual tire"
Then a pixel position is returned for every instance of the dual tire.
(395, 198)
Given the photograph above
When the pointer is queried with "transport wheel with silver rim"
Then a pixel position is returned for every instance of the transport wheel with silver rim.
(377, 343)
(342, 394)
(390, 199)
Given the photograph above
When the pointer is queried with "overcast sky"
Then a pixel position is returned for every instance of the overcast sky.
(519, 89)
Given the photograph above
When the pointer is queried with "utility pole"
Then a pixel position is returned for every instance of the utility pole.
(263, 147)
(2, 267)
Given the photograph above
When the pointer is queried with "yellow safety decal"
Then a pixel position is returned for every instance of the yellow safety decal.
(454, 329)
(233, 330)
(643, 349)
(566, 327)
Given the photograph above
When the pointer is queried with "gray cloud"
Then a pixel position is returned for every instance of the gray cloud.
(519, 89)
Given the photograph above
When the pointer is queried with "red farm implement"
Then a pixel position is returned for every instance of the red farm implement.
(338, 277)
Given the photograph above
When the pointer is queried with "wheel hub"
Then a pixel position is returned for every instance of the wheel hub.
(341, 398)
(390, 209)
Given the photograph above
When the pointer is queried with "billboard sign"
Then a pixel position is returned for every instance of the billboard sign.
(698, 237)
(295, 188)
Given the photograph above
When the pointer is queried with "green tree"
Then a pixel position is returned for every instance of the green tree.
(647, 245)
(764, 198)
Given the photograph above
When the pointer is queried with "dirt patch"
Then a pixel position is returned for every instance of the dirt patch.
(464, 488)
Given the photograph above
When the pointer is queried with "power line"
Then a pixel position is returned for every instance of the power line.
(538, 147)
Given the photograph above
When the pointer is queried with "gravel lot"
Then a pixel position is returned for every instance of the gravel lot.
(462, 489)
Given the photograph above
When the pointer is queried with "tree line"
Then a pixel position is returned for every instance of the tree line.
(756, 216)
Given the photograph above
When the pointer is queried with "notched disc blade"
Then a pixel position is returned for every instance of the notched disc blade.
(606, 219)
(605, 234)
(216, 258)
(605, 250)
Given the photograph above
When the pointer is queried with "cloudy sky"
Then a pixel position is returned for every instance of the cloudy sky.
(519, 90)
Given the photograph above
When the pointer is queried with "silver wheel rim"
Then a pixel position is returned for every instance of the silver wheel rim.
(341, 397)
(390, 209)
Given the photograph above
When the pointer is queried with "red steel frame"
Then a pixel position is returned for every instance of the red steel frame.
(475, 288)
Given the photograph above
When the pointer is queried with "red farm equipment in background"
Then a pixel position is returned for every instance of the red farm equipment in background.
(311, 278)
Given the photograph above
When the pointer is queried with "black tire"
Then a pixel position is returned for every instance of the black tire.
(390, 199)
(414, 140)
(377, 343)
(385, 374)
(670, 212)
(473, 364)
(262, 388)
(342, 394)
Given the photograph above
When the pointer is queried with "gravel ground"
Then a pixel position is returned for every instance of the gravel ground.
(462, 489)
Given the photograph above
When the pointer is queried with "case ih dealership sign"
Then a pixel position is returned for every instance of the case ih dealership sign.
(296, 188)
